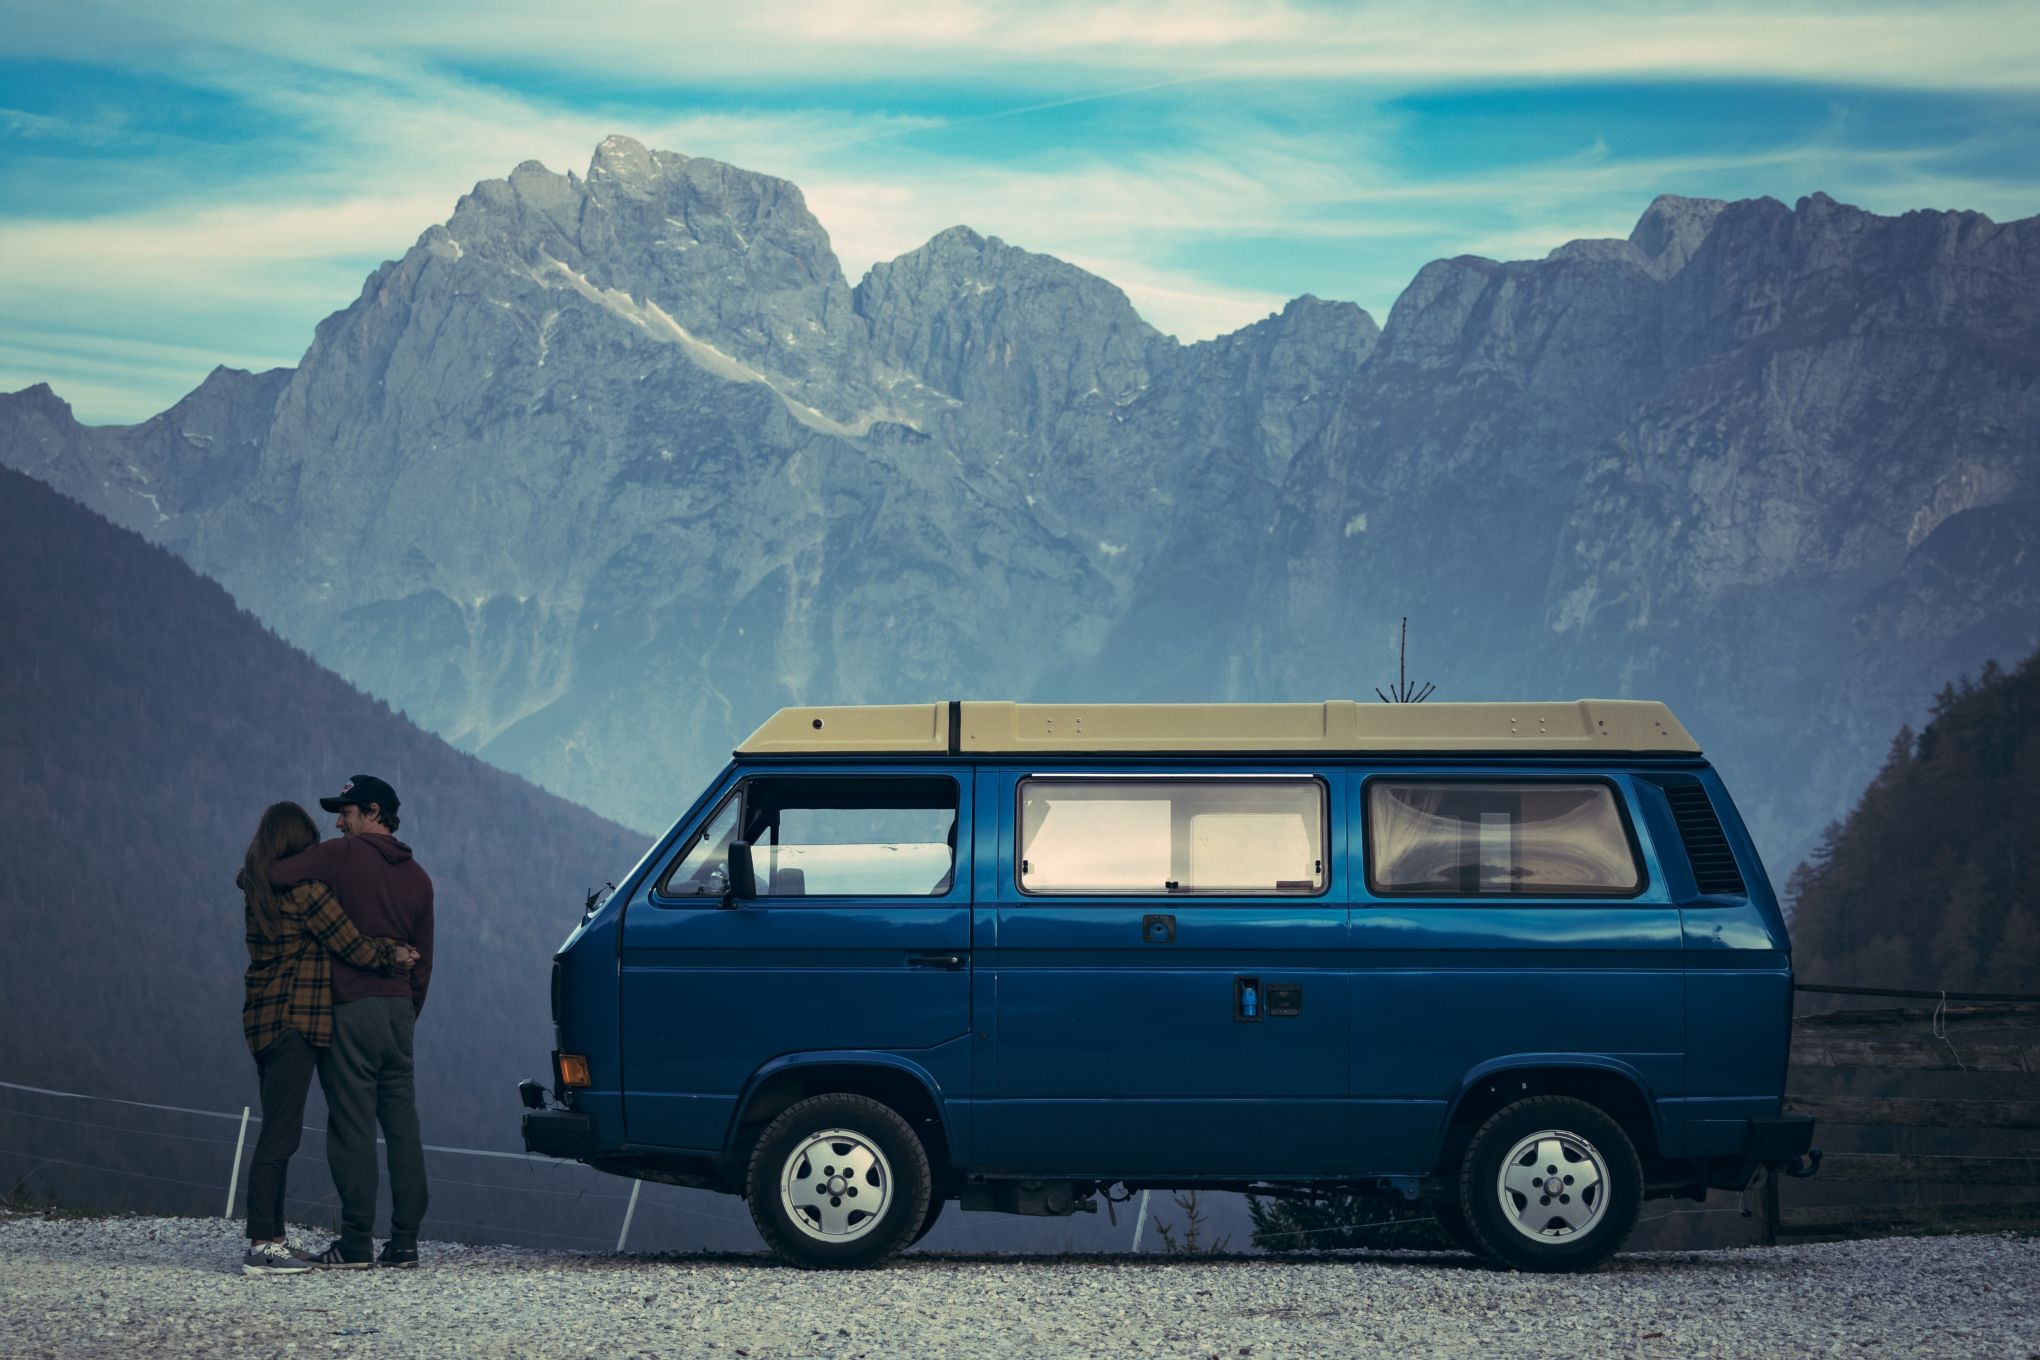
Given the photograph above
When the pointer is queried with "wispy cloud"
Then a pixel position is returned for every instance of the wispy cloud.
(1948, 46)
(42, 127)
(98, 373)
(1212, 157)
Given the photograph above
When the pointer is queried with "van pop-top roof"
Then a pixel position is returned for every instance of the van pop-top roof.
(1614, 726)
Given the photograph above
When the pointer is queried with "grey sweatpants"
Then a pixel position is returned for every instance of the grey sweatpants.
(366, 1075)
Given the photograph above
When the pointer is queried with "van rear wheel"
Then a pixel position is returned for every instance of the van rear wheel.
(838, 1181)
(1550, 1184)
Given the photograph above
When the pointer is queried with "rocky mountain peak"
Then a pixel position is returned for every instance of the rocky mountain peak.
(41, 399)
(628, 164)
(1343, 327)
(680, 258)
(1671, 229)
(960, 265)
(987, 322)
(958, 239)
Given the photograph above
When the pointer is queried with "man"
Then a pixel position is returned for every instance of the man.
(366, 1071)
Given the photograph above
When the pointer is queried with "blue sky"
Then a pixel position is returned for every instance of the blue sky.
(182, 186)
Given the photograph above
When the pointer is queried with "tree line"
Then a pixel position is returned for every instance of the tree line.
(1933, 880)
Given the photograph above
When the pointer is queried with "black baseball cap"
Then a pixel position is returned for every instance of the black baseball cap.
(360, 791)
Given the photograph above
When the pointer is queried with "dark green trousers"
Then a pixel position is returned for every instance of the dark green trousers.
(366, 1075)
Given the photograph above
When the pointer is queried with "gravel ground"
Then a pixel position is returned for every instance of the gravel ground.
(172, 1287)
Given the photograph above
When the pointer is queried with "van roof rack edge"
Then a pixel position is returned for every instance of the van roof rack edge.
(970, 727)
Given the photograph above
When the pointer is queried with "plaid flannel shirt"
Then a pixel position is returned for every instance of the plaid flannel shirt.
(290, 979)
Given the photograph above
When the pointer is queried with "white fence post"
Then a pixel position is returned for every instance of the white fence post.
(629, 1213)
(1140, 1221)
(234, 1181)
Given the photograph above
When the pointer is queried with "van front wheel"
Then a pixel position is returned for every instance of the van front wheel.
(1452, 1223)
(1551, 1184)
(838, 1181)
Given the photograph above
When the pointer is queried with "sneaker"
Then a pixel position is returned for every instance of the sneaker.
(399, 1258)
(332, 1258)
(272, 1258)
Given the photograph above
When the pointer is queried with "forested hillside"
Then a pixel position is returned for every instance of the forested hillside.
(1934, 879)
(148, 722)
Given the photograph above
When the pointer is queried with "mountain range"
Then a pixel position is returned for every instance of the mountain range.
(607, 467)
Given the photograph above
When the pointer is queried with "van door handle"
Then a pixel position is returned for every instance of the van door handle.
(951, 962)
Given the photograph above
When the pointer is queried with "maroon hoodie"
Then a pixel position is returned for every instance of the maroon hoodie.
(384, 892)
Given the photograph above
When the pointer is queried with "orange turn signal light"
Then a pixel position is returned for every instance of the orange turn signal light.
(573, 1071)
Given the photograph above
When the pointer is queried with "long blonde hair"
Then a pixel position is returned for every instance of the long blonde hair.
(285, 830)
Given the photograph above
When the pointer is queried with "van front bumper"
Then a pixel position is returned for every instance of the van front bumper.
(559, 1133)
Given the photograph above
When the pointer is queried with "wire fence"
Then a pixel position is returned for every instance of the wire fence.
(206, 1173)
(575, 1202)
(176, 1159)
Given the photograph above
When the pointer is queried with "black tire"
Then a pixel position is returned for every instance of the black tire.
(1595, 1178)
(1452, 1225)
(881, 1161)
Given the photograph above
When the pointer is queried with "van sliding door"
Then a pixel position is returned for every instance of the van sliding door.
(1160, 979)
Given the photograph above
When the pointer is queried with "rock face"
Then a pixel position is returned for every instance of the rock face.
(606, 468)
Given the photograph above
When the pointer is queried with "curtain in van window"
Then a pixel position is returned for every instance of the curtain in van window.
(1501, 836)
(1154, 834)
(1402, 820)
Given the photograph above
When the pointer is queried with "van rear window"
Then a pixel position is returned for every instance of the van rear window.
(1240, 837)
(1501, 837)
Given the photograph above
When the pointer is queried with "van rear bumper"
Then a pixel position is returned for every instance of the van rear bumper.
(1780, 1143)
(1778, 1140)
(559, 1133)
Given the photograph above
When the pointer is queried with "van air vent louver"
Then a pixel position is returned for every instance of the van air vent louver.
(1706, 847)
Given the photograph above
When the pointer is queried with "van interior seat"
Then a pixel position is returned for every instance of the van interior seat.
(787, 883)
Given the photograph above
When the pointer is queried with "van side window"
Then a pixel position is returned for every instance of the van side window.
(1523, 838)
(704, 870)
(852, 836)
(1143, 834)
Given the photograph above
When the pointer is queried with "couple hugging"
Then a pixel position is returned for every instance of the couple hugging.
(339, 956)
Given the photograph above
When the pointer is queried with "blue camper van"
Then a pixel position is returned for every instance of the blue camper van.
(1519, 960)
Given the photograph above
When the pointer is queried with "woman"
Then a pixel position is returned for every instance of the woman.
(288, 1012)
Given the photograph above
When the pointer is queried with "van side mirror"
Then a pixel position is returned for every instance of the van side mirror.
(743, 878)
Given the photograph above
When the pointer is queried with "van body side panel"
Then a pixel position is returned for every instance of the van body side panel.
(1738, 990)
(586, 1020)
(711, 994)
(1120, 1055)
(1444, 987)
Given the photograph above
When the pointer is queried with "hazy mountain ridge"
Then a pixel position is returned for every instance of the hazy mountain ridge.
(152, 722)
(604, 469)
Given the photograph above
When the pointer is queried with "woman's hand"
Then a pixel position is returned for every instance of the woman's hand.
(403, 956)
